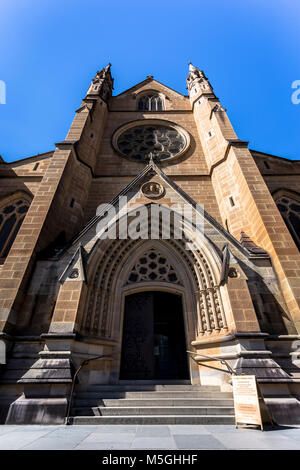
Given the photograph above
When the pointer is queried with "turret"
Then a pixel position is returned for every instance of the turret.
(197, 83)
(102, 84)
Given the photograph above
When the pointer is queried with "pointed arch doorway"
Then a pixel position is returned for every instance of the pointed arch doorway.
(153, 343)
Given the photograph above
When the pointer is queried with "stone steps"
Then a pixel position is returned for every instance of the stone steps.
(133, 402)
(152, 404)
(154, 419)
(90, 396)
(161, 410)
(145, 387)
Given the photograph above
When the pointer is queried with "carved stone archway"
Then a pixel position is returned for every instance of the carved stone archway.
(188, 274)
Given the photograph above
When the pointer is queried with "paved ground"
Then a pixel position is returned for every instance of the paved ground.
(146, 437)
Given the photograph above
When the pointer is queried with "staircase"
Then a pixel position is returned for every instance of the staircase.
(141, 403)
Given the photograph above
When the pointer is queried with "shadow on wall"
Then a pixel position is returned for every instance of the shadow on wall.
(268, 302)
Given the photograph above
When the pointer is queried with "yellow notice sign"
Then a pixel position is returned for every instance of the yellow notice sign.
(249, 405)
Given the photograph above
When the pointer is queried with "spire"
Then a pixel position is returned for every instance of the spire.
(197, 81)
(102, 84)
(192, 68)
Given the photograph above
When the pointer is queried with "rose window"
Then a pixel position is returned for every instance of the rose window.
(163, 142)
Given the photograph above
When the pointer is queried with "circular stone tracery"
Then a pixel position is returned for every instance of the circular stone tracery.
(164, 142)
(153, 266)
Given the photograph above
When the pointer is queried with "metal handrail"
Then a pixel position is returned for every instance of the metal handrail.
(110, 356)
(84, 363)
(222, 361)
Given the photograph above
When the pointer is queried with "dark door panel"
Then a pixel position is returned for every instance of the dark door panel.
(137, 349)
(169, 334)
(153, 344)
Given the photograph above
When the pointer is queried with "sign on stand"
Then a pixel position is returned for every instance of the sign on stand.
(249, 404)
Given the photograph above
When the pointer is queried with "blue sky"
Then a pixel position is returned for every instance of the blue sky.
(51, 49)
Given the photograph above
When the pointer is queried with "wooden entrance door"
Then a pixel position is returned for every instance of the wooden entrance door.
(138, 338)
(153, 345)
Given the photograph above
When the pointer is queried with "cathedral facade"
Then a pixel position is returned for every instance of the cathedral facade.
(148, 247)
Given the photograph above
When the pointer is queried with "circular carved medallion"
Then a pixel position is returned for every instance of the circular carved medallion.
(74, 274)
(232, 272)
(152, 190)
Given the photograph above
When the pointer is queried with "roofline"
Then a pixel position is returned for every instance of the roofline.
(41, 155)
(274, 156)
(149, 80)
(151, 166)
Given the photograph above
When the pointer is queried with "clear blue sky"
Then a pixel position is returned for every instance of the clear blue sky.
(51, 49)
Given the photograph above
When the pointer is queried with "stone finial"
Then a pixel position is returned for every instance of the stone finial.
(225, 264)
(151, 157)
(102, 84)
(194, 72)
(197, 80)
(192, 68)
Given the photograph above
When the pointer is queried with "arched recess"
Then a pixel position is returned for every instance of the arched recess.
(288, 203)
(111, 263)
(195, 282)
(194, 260)
(150, 100)
(13, 209)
